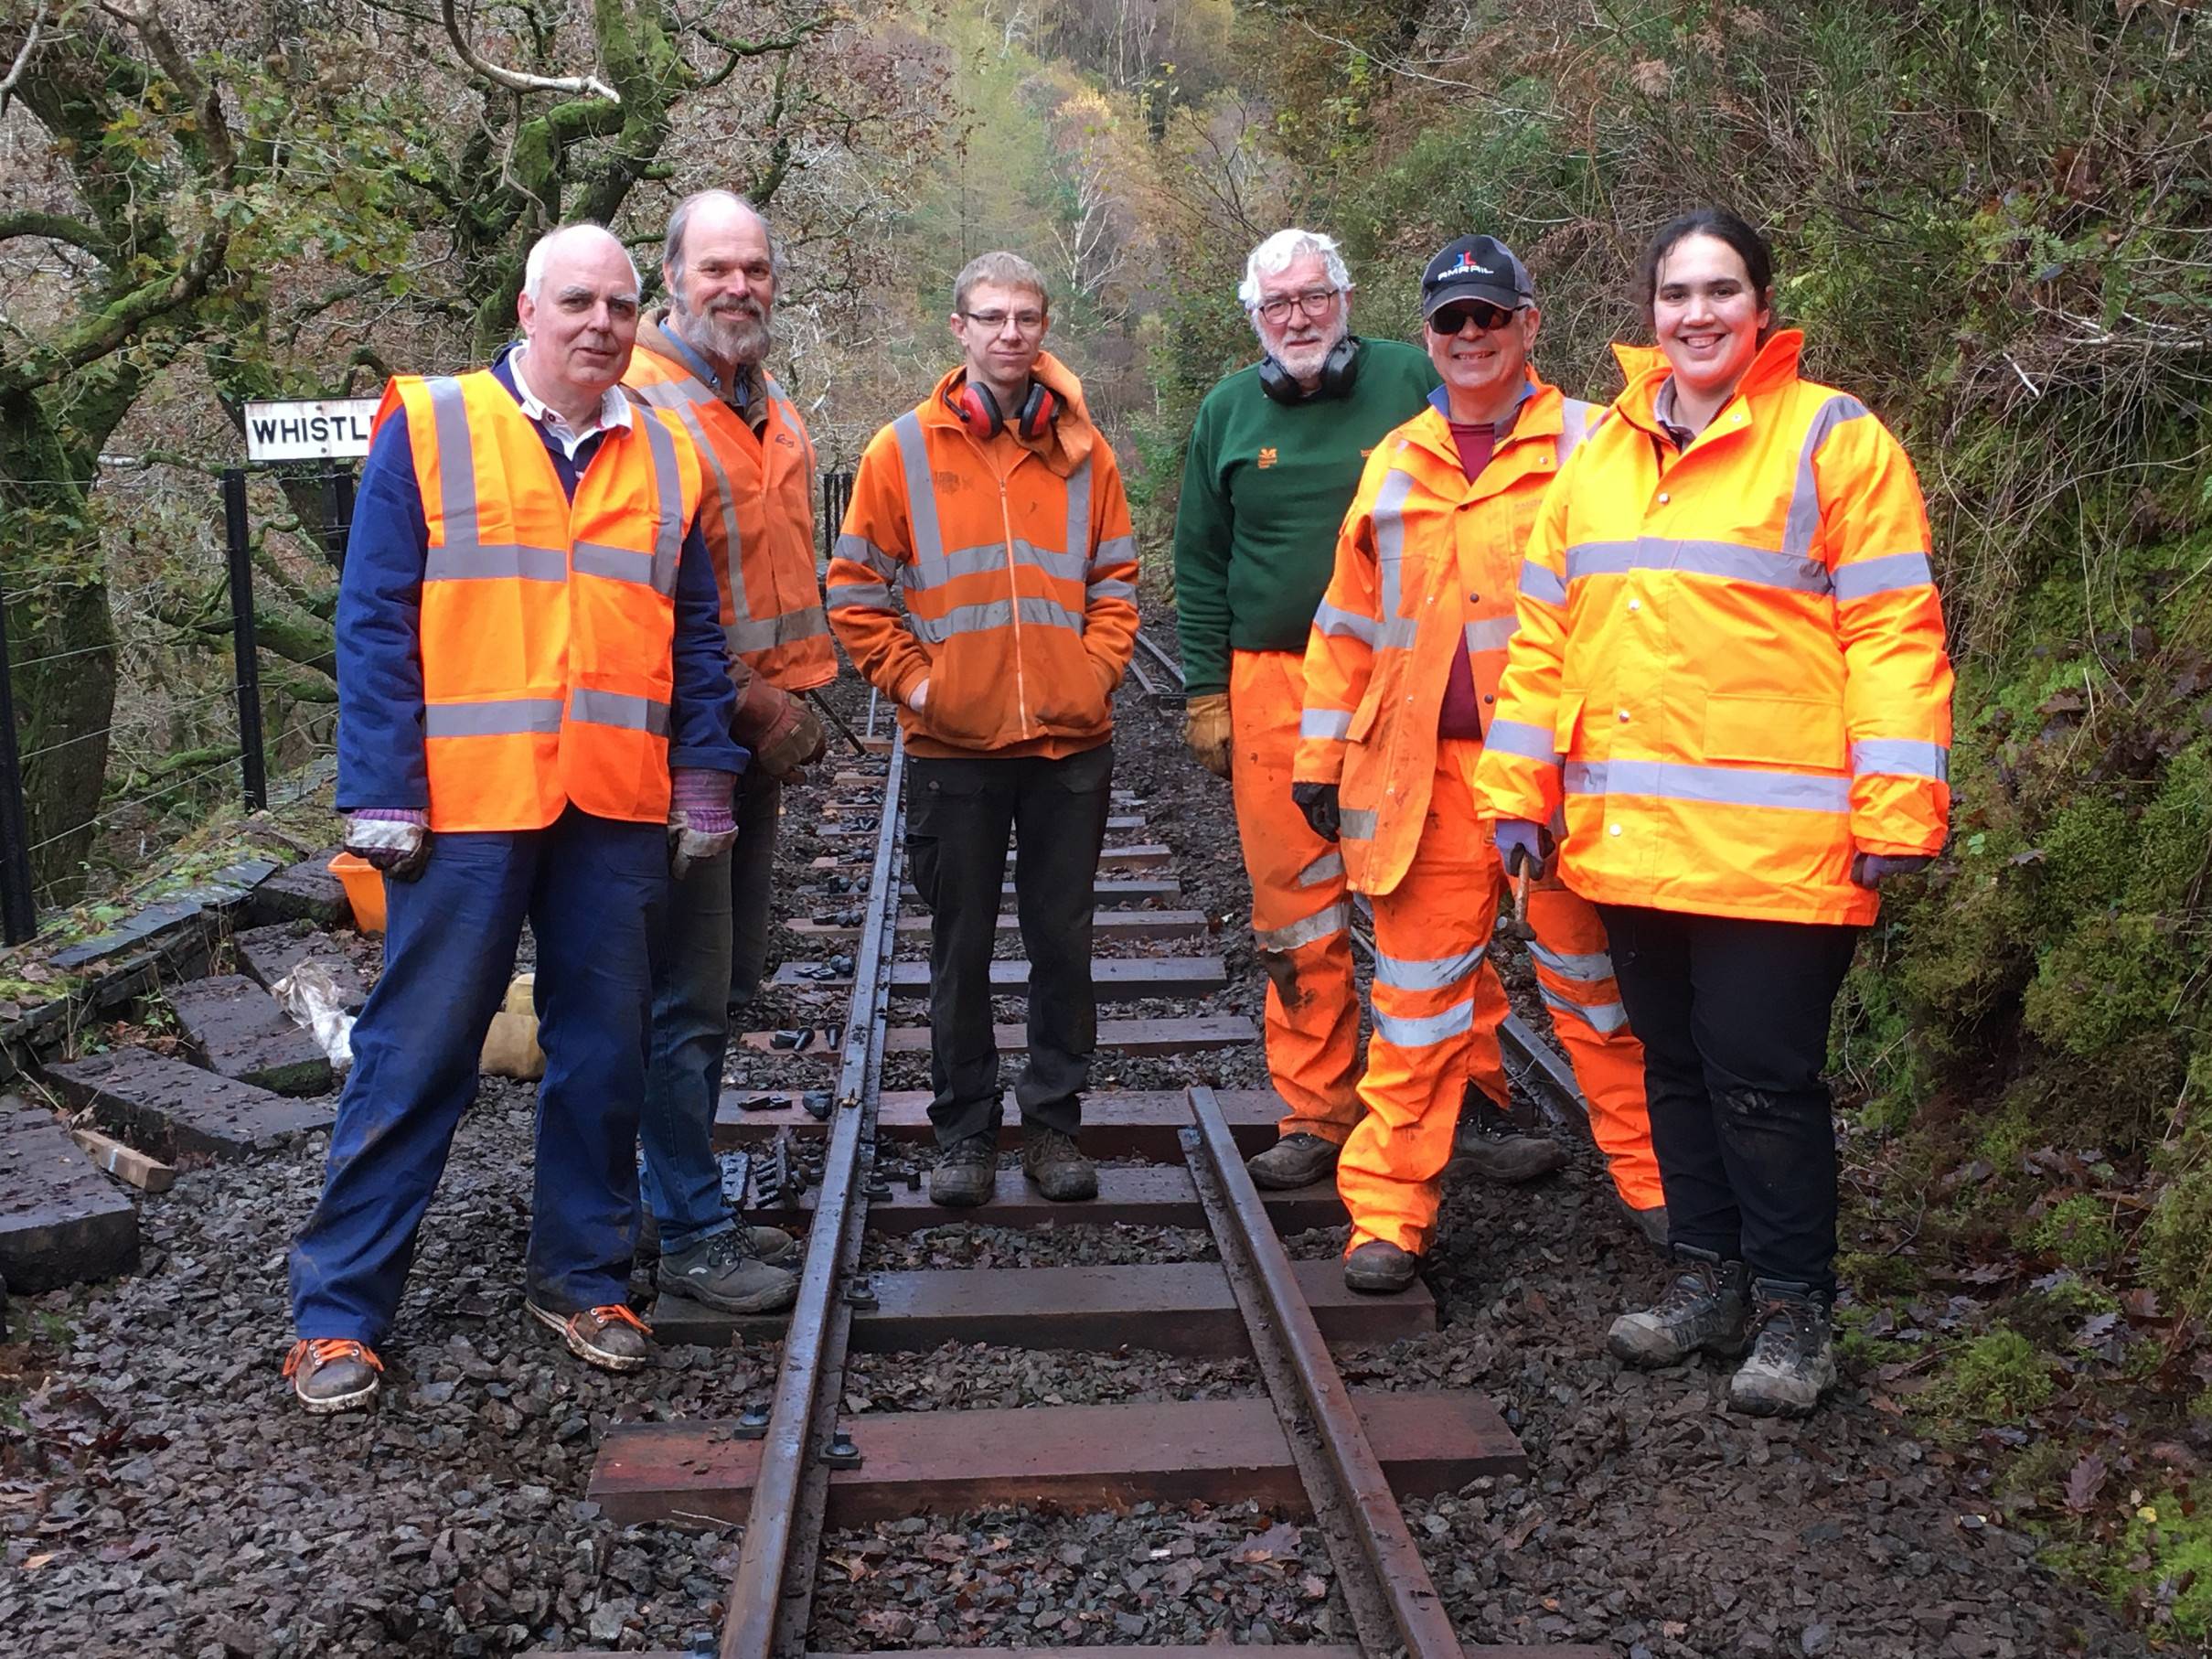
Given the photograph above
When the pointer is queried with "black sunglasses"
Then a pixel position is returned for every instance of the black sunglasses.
(1450, 319)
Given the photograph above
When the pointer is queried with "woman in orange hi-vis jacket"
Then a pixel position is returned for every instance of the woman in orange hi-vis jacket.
(1730, 669)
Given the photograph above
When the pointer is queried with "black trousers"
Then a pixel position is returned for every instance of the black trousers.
(957, 817)
(1734, 1020)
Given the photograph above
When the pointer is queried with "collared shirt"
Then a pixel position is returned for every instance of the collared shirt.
(1662, 411)
(746, 394)
(613, 409)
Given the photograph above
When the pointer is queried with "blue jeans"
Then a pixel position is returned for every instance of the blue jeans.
(682, 1179)
(590, 889)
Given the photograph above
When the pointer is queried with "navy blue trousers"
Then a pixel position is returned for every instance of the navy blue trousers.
(591, 891)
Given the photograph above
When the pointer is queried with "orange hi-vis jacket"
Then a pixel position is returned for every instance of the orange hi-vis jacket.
(548, 625)
(1730, 661)
(1426, 565)
(759, 522)
(1019, 572)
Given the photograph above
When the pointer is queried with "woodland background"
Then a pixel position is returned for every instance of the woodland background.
(1994, 222)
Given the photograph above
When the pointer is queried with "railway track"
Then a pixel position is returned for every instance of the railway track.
(844, 1165)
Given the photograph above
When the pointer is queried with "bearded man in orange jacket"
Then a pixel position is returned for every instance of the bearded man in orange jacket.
(996, 508)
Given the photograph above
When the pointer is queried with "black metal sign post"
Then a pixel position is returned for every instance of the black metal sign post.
(18, 916)
(244, 649)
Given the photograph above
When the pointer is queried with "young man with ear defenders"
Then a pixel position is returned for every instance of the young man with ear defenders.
(1273, 462)
(996, 508)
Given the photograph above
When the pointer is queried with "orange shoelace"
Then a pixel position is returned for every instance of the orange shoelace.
(614, 1312)
(328, 1348)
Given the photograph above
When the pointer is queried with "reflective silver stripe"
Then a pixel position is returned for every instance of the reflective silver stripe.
(1425, 973)
(1320, 926)
(502, 718)
(873, 596)
(1355, 824)
(1714, 785)
(1078, 542)
(1518, 737)
(671, 394)
(456, 463)
(724, 504)
(1540, 583)
(1899, 758)
(1864, 578)
(626, 564)
(1348, 624)
(936, 570)
(861, 551)
(1329, 867)
(1324, 723)
(1422, 1033)
(997, 614)
(1802, 527)
(1588, 966)
(1573, 426)
(618, 708)
(1728, 560)
(921, 493)
(765, 633)
(479, 562)
(1115, 550)
(1110, 587)
(1603, 1017)
(669, 491)
(1389, 516)
(1492, 633)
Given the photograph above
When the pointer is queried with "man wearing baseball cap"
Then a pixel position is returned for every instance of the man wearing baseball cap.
(1420, 640)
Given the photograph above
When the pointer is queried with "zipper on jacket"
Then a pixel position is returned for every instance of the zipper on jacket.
(1013, 593)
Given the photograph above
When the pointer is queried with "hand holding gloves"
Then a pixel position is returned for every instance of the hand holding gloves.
(700, 826)
(1205, 729)
(396, 840)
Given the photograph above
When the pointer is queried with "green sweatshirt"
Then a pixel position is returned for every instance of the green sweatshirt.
(1264, 489)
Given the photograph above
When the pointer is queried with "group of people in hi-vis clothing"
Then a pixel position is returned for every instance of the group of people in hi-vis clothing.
(1673, 666)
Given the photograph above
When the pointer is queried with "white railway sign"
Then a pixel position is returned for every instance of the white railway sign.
(319, 429)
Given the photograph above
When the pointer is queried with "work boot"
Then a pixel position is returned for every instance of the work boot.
(723, 1271)
(610, 1337)
(772, 1244)
(1378, 1269)
(1490, 1144)
(1296, 1160)
(1792, 1361)
(1703, 1308)
(1650, 1223)
(1051, 1160)
(334, 1375)
(965, 1171)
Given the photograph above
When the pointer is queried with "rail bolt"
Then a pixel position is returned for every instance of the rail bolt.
(842, 1453)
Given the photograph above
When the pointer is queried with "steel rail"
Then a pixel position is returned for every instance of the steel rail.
(791, 1479)
(1417, 1610)
(1173, 669)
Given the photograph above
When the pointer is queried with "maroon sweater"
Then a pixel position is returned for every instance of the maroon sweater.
(1461, 715)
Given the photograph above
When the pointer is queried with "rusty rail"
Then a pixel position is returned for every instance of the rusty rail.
(782, 1528)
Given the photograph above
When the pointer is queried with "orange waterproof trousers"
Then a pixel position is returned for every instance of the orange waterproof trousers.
(1301, 915)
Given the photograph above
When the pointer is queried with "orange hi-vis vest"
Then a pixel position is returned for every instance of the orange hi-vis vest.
(1019, 572)
(759, 522)
(548, 625)
(1730, 664)
(1426, 565)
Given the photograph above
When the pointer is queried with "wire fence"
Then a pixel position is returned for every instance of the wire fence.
(124, 719)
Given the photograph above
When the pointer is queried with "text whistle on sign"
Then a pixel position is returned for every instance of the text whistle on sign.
(309, 429)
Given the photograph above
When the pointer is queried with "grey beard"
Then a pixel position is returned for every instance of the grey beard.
(728, 335)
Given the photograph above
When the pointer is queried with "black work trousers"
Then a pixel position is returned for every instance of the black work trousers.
(1733, 1015)
(958, 815)
(759, 807)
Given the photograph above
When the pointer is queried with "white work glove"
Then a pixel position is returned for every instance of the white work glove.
(689, 845)
(396, 841)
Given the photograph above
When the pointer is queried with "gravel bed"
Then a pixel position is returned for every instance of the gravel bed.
(977, 1376)
(1075, 1245)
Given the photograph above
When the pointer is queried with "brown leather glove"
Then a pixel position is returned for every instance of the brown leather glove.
(1206, 728)
(782, 733)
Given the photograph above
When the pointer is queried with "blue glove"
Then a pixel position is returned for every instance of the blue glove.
(1871, 869)
(1522, 845)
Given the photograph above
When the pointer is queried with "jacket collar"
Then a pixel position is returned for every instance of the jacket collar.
(1073, 436)
(1540, 413)
(1647, 370)
(749, 394)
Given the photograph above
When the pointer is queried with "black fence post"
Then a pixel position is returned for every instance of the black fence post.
(341, 516)
(244, 649)
(18, 915)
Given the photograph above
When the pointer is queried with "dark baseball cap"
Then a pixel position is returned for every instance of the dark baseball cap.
(1476, 268)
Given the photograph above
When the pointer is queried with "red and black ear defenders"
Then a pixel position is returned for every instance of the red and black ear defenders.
(980, 411)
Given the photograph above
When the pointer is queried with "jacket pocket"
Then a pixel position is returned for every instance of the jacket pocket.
(1775, 730)
(969, 699)
(1565, 719)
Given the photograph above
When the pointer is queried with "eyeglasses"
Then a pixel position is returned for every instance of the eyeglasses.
(1314, 302)
(990, 322)
(1450, 319)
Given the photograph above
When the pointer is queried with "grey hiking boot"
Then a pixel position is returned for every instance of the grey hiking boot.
(1380, 1269)
(1056, 1165)
(772, 1244)
(1296, 1160)
(723, 1271)
(1490, 1144)
(1792, 1361)
(610, 1337)
(334, 1375)
(1703, 1308)
(965, 1171)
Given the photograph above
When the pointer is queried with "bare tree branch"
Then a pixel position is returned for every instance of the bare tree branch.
(23, 59)
(99, 334)
(211, 133)
(58, 228)
(514, 80)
